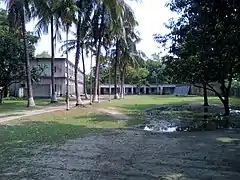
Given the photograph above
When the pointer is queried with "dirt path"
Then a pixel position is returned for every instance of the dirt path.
(111, 111)
(133, 155)
(22, 114)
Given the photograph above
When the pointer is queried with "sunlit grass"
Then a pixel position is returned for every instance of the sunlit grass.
(10, 106)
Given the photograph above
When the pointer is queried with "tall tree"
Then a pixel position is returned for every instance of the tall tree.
(12, 59)
(47, 12)
(202, 45)
(43, 54)
(18, 9)
(85, 10)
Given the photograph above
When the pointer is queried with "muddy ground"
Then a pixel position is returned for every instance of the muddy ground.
(134, 154)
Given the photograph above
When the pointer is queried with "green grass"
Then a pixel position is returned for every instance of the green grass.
(133, 104)
(57, 127)
(10, 106)
(60, 125)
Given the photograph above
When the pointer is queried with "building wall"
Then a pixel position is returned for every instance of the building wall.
(199, 91)
(44, 87)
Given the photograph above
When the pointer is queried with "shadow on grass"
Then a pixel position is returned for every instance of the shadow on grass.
(38, 133)
(21, 137)
(31, 133)
(173, 156)
(141, 107)
(10, 115)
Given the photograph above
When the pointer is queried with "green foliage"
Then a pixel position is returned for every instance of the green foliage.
(12, 59)
(157, 71)
(137, 76)
(43, 54)
(202, 50)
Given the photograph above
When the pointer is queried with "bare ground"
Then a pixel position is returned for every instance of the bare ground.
(134, 154)
(115, 113)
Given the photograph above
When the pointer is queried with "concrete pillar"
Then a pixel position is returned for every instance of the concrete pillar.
(149, 90)
(158, 92)
(161, 90)
(132, 90)
(144, 90)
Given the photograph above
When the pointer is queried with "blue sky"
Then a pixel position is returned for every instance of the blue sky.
(151, 15)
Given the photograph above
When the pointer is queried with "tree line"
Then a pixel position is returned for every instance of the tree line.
(13, 65)
(148, 70)
(203, 45)
(102, 28)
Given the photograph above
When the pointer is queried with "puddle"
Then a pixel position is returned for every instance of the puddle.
(160, 129)
(185, 119)
(234, 111)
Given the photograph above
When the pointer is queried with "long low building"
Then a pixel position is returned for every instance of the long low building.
(151, 89)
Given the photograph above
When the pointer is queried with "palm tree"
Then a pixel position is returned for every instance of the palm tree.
(83, 26)
(124, 36)
(108, 14)
(82, 41)
(17, 13)
(66, 13)
(98, 27)
(47, 13)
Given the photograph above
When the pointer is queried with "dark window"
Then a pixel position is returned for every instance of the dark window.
(55, 87)
(55, 69)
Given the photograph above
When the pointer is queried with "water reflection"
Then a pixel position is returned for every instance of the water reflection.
(159, 129)
(159, 121)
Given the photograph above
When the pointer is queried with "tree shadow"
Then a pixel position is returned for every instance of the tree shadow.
(131, 154)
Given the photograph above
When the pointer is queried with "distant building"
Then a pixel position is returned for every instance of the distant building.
(161, 89)
(134, 89)
(44, 87)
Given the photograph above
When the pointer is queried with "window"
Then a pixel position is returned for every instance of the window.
(55, 69)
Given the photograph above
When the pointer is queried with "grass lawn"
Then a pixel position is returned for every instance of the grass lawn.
(134, 104)
(57, 127)
(10, 106)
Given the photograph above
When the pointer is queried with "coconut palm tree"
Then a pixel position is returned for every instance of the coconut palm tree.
(18, 9)
(104, 16)
(124, 36)
(46, 11)
(85, 10)
(66, 13)
(81, 43)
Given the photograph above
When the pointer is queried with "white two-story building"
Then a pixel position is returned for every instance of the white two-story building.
(44, 87)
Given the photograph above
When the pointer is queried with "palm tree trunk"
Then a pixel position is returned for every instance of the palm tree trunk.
(84, 77)
(78, 98)
(122, 84)
(54, 97)
(95, 88)
(96, 82)
(119, 86)
(91, 77)
(115, 70)
(109, 82)
(30, 102)
(67, 94)
(99, 83)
